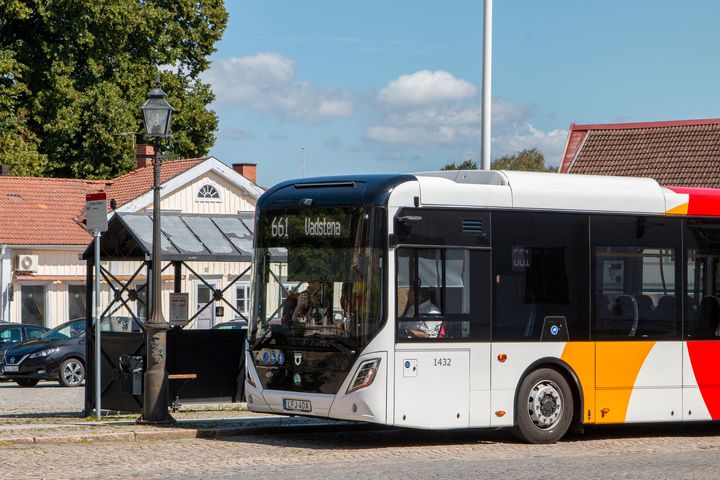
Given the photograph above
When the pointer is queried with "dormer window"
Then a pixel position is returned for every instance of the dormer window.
(208, 193)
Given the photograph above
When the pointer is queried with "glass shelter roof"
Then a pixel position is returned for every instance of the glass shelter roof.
(184, 237)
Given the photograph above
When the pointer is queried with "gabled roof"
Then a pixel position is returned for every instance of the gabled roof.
(181, 178)
(131, 185)
(683, 153)
(44, 211)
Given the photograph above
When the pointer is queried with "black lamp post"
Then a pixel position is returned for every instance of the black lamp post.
(157, 114)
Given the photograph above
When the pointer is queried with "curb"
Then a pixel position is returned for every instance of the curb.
(185, 433)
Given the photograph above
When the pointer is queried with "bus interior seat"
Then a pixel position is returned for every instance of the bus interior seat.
(603, 312)
(706, 320)
(664, 315)
(646, 313)
(646, 306)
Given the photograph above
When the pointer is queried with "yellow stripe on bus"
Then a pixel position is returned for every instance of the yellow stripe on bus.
(617, 368)
(581, 357)
(681, 209)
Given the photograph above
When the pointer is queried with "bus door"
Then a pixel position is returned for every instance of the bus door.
(443, 309)
(636, 319)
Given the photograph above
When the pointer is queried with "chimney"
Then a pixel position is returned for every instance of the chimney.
(145, 155)
(247, 170)
(5, 170)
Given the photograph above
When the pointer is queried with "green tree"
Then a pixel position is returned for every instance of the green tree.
(468, 164)
(527, 160)
(74, 73)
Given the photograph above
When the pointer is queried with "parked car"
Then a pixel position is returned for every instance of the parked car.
(236, 324)
(59, 354)
(13, 333)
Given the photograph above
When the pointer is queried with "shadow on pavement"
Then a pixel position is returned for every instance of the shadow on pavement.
(361, 436)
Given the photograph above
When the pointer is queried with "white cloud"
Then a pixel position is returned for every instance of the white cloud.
(459, 124)
(425, 88)
(266, 82)
(519, 137)
(418, 134)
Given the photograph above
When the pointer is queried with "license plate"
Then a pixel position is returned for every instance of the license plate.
(297, 405)
(11, 368)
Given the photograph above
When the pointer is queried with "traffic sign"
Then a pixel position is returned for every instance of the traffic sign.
(96, 212)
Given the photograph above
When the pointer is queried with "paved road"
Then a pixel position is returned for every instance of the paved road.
(639, 453)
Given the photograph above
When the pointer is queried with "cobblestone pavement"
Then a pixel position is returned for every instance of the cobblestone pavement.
(643, 452)
(48, 402)
(44, 399)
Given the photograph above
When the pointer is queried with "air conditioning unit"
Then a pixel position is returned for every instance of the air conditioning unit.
(26, 263)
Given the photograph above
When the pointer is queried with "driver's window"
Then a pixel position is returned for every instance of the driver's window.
(433, 293)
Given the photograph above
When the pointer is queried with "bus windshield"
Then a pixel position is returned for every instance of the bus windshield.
(318, 277)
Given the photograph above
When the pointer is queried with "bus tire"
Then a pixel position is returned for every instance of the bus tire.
(544, 407)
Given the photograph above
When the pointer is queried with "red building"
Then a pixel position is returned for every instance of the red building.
(683, 153)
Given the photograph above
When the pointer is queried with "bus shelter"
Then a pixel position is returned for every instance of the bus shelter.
(203, 364)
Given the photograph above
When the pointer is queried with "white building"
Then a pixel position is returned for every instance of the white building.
(42, 279)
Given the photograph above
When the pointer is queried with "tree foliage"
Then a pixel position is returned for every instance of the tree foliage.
(527, 160)
(74, 73)
(468, 164)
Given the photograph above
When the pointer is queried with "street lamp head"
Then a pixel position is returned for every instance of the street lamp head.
(157, 113)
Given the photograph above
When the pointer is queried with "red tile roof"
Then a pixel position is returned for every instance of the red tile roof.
(681, 153)
(43, 211)
(131, 185)
(48, 211)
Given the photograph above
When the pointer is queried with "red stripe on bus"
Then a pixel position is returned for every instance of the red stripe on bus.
(705, 358)
(703, 201)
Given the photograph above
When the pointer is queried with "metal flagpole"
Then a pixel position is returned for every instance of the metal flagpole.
(98, 386)
(486, 84)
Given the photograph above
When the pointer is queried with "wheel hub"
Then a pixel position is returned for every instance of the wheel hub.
(72, 373)
(545, 404)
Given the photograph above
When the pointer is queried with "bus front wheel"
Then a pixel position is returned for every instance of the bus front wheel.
(544, 408)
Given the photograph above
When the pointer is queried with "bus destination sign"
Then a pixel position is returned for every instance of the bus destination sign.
(337, 225)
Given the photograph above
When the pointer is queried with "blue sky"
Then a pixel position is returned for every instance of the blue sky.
(395, 86)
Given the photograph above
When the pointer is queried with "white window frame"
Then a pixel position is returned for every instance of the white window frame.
(248, 294)
(198, 198)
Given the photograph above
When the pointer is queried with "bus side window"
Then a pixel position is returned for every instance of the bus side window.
(634, 293)
(540, 274)
(702, 297)
(636, 279)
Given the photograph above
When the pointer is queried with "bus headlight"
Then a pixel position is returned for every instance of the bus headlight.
(365, 375)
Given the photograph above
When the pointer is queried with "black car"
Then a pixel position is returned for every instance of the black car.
(58, 354)
(13, 333)
(237, 324)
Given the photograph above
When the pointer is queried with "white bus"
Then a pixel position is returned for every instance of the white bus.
(470, 299)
